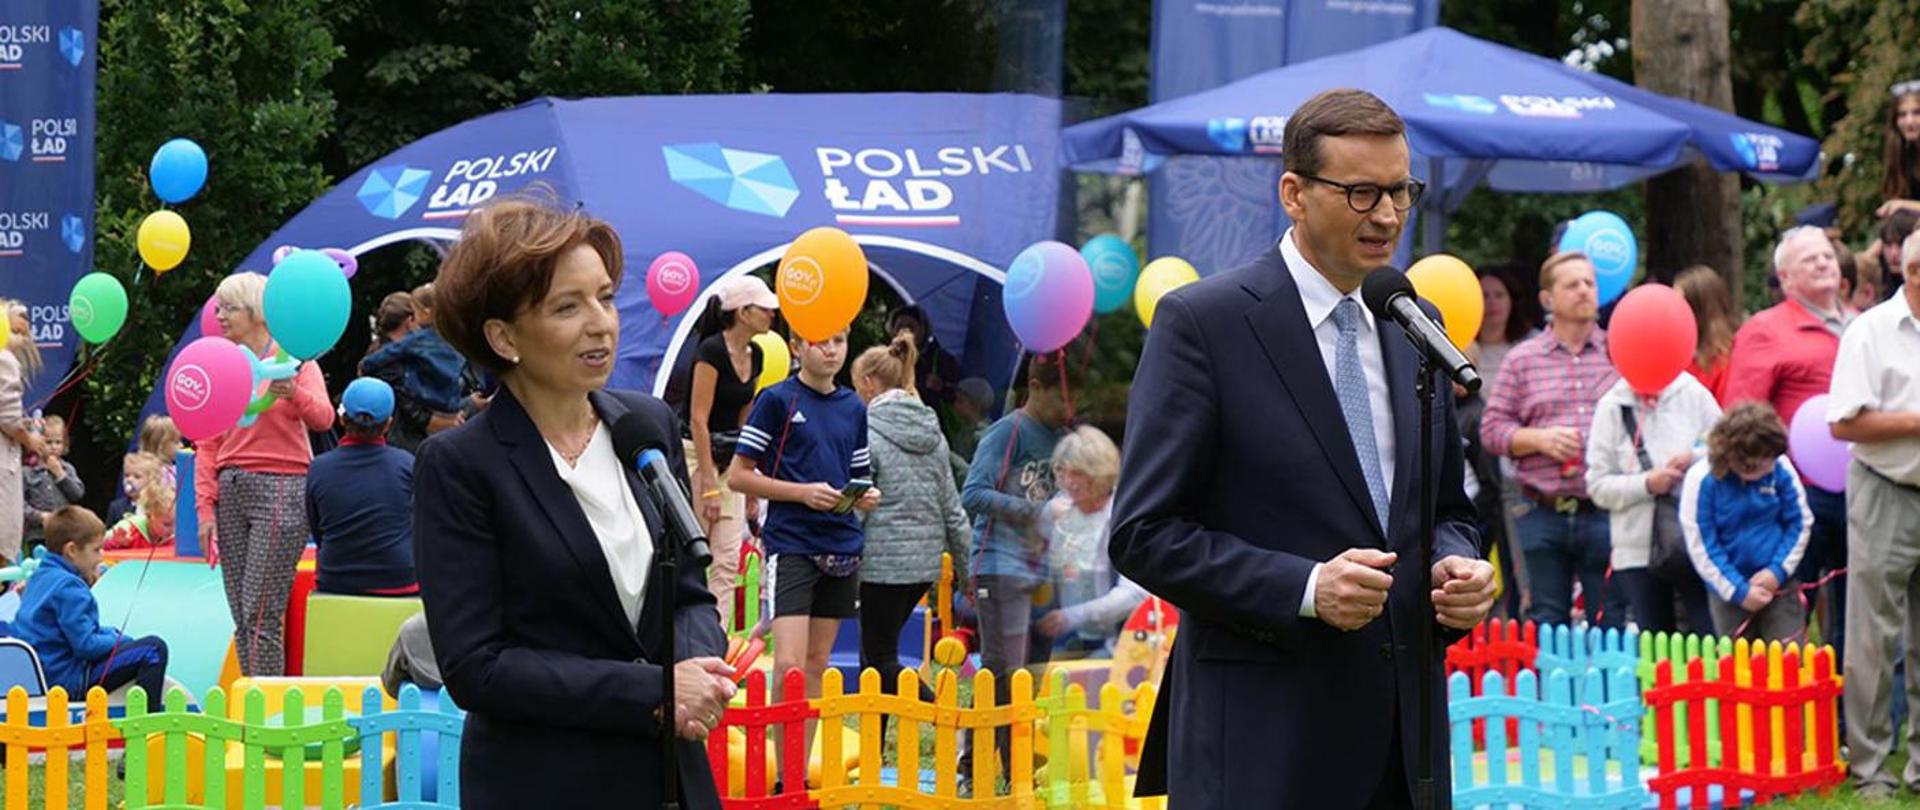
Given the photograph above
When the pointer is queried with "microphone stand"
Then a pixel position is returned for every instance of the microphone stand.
(1424, 390)
(666, 566)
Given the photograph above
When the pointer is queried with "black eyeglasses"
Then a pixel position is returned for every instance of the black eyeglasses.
(1364, 197)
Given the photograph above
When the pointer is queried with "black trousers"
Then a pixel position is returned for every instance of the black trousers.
(884, 611)
(1653, 599)
(1392, 793)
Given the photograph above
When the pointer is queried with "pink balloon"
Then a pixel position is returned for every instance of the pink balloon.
(1651, 337)
(1048, 295)
(1820, 458)
(209, 318)
(672, 282)
(208, 386)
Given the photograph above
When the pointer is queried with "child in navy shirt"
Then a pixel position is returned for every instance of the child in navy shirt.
(804, 440)
(59, 617)
(1746, 521)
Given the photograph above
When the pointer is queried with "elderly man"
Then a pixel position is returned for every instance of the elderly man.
(1875, 404)
(1783, 356)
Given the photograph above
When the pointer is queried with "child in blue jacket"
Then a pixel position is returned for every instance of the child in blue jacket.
(1746, 521)
(60, 618)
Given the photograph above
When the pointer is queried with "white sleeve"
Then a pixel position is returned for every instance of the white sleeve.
(1851, 389)
(1307, 610)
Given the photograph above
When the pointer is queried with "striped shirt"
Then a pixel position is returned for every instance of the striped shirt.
(795, 433)
(1543, 385)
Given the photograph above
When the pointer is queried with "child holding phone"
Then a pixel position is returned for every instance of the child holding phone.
(803, 443)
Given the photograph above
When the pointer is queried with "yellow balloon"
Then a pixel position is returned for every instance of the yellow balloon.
(1159, 277)
(1452, 287)
(164, 240)
(776, 361)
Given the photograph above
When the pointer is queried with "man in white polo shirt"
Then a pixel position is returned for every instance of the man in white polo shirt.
(1875, 403)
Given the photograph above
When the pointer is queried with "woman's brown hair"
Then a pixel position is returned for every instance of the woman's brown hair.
(1713, 315)
(1900, 158)
(504, 264)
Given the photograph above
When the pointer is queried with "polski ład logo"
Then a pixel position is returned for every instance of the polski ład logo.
(389, 192)
(801, 280)
(1024, 276)
(73, 45)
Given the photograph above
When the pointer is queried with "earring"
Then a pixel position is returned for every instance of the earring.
(515, 360)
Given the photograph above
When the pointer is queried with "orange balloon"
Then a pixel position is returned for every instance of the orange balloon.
(822, 283)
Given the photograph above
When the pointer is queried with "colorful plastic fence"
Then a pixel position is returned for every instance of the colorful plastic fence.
(1576, 745)
(1498, 645)
(192, 749)
(1680, 649)
(1086, 750)
(1777, 729)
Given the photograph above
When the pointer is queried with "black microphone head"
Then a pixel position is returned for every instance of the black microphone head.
(1382, 285)
(635, 433)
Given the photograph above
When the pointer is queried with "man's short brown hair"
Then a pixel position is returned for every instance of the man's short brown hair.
(504, 264)
(1334, 113)
(1557, 259)
(1750, 432)
(69, 525)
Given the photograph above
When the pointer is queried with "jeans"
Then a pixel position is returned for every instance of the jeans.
(141, 661)
(1827, 552)
(1652, 598)
(1559, 547)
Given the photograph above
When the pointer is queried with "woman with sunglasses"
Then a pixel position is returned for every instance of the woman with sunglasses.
(1901, 186)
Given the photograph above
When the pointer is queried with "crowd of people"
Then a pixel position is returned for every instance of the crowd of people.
(1682, 511)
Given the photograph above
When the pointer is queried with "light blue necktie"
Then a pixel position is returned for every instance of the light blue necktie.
(1350, 383)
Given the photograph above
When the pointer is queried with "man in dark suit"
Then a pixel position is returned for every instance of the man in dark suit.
(1269, 490)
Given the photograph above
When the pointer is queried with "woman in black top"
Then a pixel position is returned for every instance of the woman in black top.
(726, 367)
(1901, 187)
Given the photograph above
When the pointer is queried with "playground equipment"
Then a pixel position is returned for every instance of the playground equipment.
(1774, 712)
(1589, 719)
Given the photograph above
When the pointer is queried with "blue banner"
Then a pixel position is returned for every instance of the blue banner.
(1220, 212)
(941, 190)
(46, 167)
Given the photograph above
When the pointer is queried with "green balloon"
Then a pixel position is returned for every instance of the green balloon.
(98, 307)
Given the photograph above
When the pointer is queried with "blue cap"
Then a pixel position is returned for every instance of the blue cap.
(368, 401)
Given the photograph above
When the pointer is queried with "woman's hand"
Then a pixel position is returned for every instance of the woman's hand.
(701, 689)
(209, 543)
(707, 487)
(282, 389)
(1887, 208)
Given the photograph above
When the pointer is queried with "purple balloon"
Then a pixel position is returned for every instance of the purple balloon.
(1048, 296)
(1821, 458)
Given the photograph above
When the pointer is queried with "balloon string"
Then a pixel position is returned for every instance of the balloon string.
(1066, 395)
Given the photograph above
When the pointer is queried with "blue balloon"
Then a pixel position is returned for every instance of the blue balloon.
(308, 303)
(179, 170)
(1115, 268)
(1609, 244)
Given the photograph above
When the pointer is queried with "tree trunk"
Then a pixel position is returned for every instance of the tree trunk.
(1681, 48)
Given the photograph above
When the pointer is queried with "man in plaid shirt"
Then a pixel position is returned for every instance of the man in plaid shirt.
(1536, 413)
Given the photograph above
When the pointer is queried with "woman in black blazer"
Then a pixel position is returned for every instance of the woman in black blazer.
(534, 541)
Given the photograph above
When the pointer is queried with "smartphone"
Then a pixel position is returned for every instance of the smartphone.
(850, 495)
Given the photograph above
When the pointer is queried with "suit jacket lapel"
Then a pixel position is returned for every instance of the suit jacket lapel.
(1402, 364)
(1279, 323)
(534, 462)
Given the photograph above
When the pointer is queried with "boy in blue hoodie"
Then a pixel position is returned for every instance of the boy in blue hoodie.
(60, 618)
(1746, 521)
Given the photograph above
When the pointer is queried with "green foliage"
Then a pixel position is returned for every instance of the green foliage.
(1869, 45)
(245, 81)
(590, 47)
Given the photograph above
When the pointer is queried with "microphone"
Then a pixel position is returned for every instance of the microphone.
(1388, 294)
(638, 441)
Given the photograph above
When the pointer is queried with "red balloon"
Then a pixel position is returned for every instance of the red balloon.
(1651, 337)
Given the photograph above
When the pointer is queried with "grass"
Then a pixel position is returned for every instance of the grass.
(76, 792)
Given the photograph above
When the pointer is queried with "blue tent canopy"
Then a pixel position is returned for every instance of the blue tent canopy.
(942, 190)
(1475, 112)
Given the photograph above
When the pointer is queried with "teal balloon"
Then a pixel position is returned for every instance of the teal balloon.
(1115, 268)
(308, 303)
(97, 307)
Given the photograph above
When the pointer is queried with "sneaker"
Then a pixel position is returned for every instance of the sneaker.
(1875, 793)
